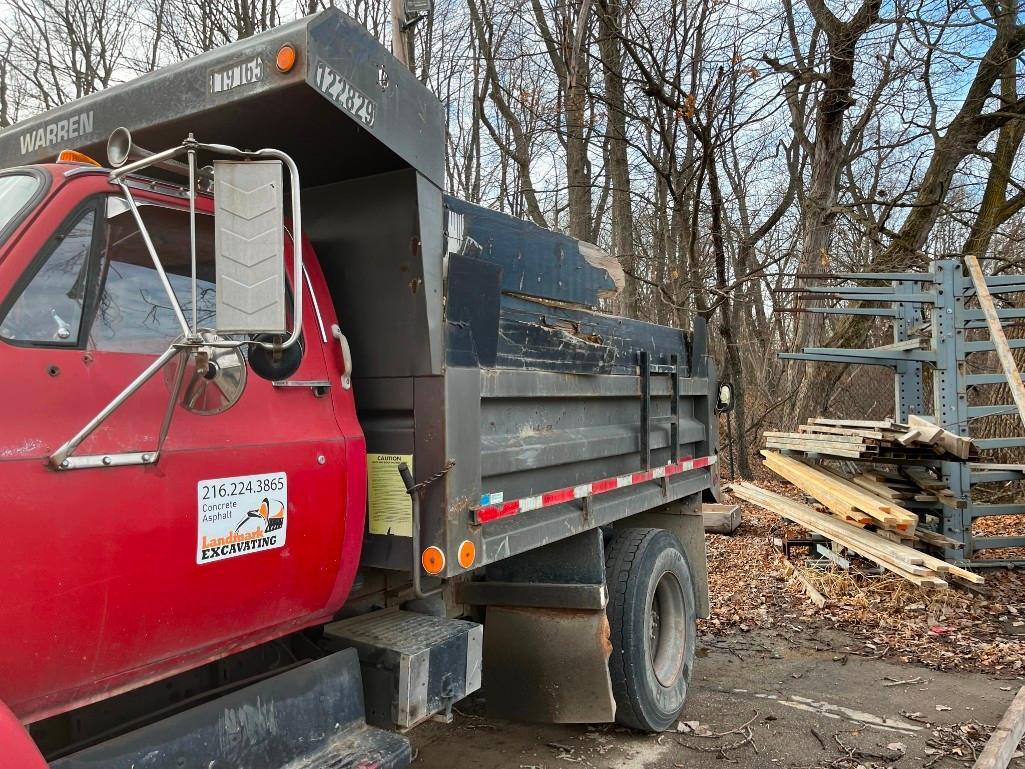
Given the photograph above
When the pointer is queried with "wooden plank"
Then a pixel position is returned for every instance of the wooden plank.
(809, 589)
(815, 437)
(815, 486)
(884, 476)
(937, 540)
(915, 343)
(887, 513)
(849, 536)
(929, 431)
(833, 452)
(896, 536)
(910, 437)
(957, 445)
(823, 429)
(941, 566)
(924, 479)
(1003, 743)
(905, 557)
(811, 443)
(996, 334)
(880, 489)
(816, 483)
(885, 424)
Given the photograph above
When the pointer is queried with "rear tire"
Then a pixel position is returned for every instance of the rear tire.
(651, 615)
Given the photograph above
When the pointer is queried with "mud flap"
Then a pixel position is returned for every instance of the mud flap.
(310, 716)
(548, 665)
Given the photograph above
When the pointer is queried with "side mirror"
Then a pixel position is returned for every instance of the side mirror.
(724, 402)
(249, 246)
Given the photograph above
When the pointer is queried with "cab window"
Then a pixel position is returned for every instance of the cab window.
(133, 313)
(49, 309)
(17, 192)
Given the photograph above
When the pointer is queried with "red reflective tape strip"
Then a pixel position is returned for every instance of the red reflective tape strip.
(494, 512)
(556, 497)
(559, 496)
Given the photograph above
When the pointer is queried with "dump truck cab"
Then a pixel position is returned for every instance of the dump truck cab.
(84, 314)
(302, 448)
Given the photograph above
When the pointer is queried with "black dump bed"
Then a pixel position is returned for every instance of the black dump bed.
(476, 337)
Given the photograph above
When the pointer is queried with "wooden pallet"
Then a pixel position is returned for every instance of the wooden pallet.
(872, 439)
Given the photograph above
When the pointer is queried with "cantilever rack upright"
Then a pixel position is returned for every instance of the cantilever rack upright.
(932, 321)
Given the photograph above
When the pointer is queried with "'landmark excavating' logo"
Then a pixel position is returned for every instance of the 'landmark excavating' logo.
(237, 517)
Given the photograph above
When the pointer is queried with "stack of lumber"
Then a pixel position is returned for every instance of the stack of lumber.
(845, 498)
(917, 567)
(878, 440)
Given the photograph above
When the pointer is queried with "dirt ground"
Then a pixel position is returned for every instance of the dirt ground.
(804, 701)
(883, 675)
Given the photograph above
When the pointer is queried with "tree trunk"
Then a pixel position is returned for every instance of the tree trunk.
(618, 169)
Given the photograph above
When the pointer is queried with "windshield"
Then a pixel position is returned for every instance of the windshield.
(16, 191)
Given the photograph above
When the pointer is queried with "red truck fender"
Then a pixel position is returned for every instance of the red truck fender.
(17, 751)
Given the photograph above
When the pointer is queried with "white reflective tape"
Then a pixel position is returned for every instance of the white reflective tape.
(582, 491)
(658, 472)
(530, 503)
(624, 480)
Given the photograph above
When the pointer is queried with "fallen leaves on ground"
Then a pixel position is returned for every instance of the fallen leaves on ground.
(885, 615)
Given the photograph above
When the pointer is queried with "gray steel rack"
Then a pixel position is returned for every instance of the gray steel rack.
(933, 306)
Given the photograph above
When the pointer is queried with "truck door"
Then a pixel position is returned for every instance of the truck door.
(117, 575)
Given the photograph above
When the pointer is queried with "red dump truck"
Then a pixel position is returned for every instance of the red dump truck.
(299, 450)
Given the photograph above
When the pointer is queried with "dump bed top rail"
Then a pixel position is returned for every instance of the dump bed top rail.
(347, 108)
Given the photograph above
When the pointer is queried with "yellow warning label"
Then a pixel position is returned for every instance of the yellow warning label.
(391, 509)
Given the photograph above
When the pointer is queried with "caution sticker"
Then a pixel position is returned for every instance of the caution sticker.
(241, 515)
(391, 509)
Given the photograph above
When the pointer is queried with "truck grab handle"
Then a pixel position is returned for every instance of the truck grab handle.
(414, 497)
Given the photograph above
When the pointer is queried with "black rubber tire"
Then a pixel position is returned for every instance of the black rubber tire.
(640, 563)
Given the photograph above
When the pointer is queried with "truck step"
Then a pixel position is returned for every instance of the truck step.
(309, 717)
(414, 665)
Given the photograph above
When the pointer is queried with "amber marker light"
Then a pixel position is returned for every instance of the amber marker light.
(71, 156)
(433, 560)
(467, 554)
(286, 57)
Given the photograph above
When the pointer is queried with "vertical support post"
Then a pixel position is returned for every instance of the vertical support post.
(645, 410)
(401, 39)
(950, 396)
(908, 390)
(674, 410)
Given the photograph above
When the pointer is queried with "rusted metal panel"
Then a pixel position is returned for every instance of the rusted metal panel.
(548, 665)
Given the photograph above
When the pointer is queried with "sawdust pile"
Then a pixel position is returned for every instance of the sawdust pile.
(884, 615)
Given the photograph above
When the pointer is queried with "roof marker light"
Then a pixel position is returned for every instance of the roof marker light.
(285, 58)
(72, 156)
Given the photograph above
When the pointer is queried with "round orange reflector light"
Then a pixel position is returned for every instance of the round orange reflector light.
(433, 560)
(286, 57)
(71, 156)
(467, 554)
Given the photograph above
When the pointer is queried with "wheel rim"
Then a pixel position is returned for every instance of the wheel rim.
(667, 629)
